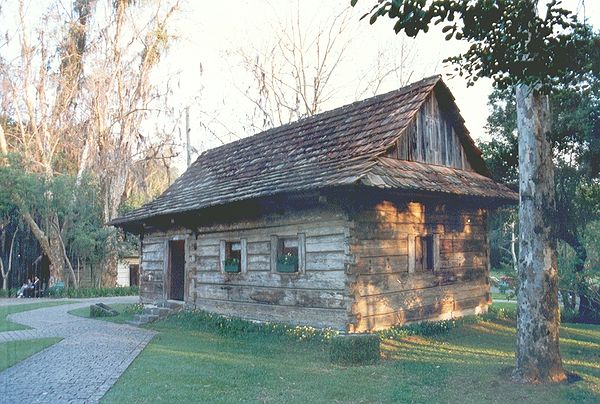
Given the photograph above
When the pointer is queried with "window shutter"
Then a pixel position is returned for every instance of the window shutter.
(244, 256)
(411, 254)
(301, 252)
(436, 252)
(274, 244)
(222, 256)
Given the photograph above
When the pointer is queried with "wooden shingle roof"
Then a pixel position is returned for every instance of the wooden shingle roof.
(335, 148)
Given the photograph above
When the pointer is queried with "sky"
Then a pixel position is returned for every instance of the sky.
(203, 65)
(211, 82)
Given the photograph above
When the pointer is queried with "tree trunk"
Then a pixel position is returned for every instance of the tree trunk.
(538, 357)
(4, 276)
(3, 143)
(10, 258)
(50, 246)
(110, 272)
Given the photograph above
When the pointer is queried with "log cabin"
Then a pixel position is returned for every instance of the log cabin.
(361, 218)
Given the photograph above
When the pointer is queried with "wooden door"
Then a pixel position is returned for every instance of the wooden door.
(134, 275)
(176, 269)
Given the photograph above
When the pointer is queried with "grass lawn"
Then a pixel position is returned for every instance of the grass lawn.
(6, 325)
(15, 351)
(120, 307)
(502, 296)
(507, 305)
(469, 364)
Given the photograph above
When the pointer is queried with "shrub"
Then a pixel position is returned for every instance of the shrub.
(501, 313)
(234, 326)
(12, 292)
(568, 315)
(96, 292)
(137, 308)
(102, 310)
(427, 328)
(355, 349)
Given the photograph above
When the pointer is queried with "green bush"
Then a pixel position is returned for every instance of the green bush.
(234, 326)
(501, 313)
(355, 349)
(56, 289)
(12, 292)
(137, 308)
(427, 328)
(568, 315)
(95, 292)
(102, 310)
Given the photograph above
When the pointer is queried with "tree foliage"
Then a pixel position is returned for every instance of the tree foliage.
(575, 140)
(509, 41)
(73, 204)
(513, 44)
(77, 89)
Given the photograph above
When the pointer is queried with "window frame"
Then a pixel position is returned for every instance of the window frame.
(275, 253)
(223, 248)
(416, 259)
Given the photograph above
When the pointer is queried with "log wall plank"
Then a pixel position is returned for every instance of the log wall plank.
(319, 284)
(387, 290)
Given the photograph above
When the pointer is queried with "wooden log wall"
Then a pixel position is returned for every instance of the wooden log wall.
(387, 291)
(154, 265)
(431, 138)
(317, 296)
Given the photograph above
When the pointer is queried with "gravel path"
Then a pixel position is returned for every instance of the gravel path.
(79, 369)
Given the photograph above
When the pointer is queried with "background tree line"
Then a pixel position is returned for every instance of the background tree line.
(537, 49)
(575, 139)
(80, 88)
(76, 87)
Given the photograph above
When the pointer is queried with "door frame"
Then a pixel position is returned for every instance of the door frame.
(167, 267)
(137, 266)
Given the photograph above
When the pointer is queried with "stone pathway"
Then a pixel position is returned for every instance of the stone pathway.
(80, 368)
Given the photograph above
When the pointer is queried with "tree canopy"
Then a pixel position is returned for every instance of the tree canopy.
(575, 139)
(514, 44)
(509, 41)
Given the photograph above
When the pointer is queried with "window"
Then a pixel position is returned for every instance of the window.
(425, 253)
(287, 254)
(233, 256)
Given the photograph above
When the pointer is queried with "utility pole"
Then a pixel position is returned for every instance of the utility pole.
(187, 136)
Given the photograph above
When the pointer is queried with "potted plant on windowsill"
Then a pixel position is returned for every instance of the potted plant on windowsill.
(287, 263)
(232, 265)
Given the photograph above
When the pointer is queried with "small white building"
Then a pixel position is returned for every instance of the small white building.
(128, 271)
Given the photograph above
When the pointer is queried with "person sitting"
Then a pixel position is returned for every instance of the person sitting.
(26, 285)
(36, 286)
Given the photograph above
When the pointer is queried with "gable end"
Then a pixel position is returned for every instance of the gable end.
(436, 134)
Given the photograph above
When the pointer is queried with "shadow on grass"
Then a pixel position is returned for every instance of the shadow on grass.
(466, 365)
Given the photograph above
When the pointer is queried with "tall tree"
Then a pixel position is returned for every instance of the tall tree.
(6, 270)
(513, 45)
(76, 98)
(575, 139)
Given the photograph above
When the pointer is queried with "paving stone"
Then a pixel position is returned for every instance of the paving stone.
(80, 368)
